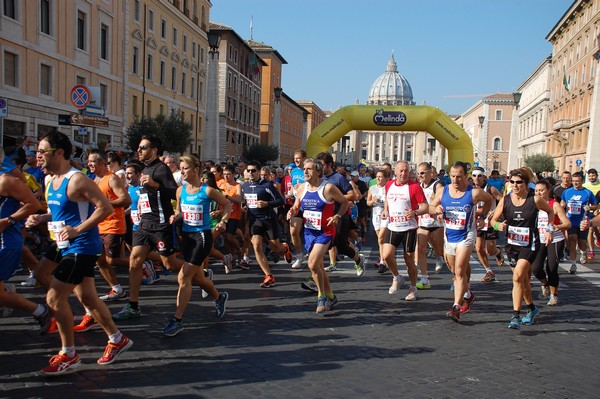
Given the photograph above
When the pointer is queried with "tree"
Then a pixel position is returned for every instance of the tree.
(173, 131)
(540, 163)
(262, 153)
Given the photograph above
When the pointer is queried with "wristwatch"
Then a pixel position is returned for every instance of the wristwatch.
(11, 220)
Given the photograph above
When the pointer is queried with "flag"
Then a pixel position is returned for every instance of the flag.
(565, 81)
(254, 64)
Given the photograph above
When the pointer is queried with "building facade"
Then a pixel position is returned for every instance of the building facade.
(574, 76)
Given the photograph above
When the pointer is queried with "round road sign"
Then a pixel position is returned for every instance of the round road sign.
(80, 96)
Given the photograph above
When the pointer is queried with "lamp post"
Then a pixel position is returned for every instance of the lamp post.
(277, 123)
(212, 141)
(304, 127)
(513, 149)
(593, 146)
(483, 138)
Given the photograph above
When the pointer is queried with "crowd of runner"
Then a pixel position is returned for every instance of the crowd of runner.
(157, 215)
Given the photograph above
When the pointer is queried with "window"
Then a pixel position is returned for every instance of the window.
(135, 67)
(45, 80)
(134, 105)
(184, 44)
(174, 36)
(173, 78)
(103, 42)
(201, 91)
(149, 67)
(183, 83)
(11, 69)
(498, 114)
(201, 55)
(45, 16)
(163, 71)
(136, 10)
(193, 88)
(193, 50)
(161, 109)
(10, 9)
(81, 30)
(148, 108)
(163, 29)
(81, 80)
(150, 20)
(497, 144)
(103, 95)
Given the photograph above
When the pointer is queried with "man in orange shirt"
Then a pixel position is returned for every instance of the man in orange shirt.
(113, 228)
(233, 192)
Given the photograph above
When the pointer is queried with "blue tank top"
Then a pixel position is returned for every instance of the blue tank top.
(458, 215)
(195, 210)
(11, 237)
(136, 217)
(297, 176)
(73, 214)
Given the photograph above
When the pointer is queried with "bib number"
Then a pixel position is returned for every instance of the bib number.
(518, 236)
(313, 220)
(144, 204)
(192, 215)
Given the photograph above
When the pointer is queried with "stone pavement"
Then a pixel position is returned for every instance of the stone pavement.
(271, 344)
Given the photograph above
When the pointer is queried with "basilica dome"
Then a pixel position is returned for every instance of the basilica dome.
(391, 88)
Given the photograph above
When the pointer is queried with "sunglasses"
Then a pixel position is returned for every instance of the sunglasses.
(516, 181)
(143, 147)
(477, 174)
(251, 170)
(45, 151)
(423, 173)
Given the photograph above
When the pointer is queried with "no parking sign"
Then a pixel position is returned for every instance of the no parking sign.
(80, 96)
(3, 108)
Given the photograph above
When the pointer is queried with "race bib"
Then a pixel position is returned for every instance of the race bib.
(518, 236)
(136, 218)
(251, 200)
(542, 223)
(456, 220)
(398, 219)
(574, 207)
(144, 204)
(312, 220)
(192, 215)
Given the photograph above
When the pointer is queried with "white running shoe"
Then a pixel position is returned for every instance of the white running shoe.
(297, 263)
(209, 275)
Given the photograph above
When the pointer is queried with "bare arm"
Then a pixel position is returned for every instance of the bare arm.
(80, 189)
(123, 199)
(331, 192)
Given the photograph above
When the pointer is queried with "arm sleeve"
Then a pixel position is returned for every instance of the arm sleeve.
(164, 177)
(277, 197)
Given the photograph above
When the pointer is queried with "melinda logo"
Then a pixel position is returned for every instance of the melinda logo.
(389, 118)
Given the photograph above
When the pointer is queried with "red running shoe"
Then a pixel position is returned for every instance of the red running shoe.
(86, 323)
(113, 350)
(61, 364)
(454, 313)
(288, 253)
(466, 306)
(268, 282)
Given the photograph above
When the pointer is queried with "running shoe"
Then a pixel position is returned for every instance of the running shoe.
(113, 296)
(127, 313)
(221, 304)
(382, 268)
(29, 281)
(297, 263)
(149, 274)
(499, 256)
(360, 265)
(331, 268)
(5, 311)
(288, 253)
(582, 257)
(530, 316)
(489, 277)
(454, 313)
(573, 268)
(466, 306)
(514, 323)
(309, 285)
(208, 273)
(553, 301)
(243, 264)
(331, 303)
(590, 254)
(86, 323)
(438, 265)
(45, 320)
(61, 364)
(268, 282)
(53, 327)
(396, 283)
(173, 327)
(423, 284)
(227, 263)
(412, 295)
(545, 292)
(321, 304)
(115, 349)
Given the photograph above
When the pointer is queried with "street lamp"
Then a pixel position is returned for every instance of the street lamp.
(517, 98)
(481, 120)
(277, 123)
(304, 127)
(214, 39)
(212, 141)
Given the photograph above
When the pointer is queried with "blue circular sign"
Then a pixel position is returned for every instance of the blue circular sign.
(578, 162)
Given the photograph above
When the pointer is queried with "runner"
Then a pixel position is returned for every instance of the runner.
(316, 198)
(375, 199)
(520, 211)
(193, 206)
(454, 205)
(77, 206)
(296, 222)
(404, 202)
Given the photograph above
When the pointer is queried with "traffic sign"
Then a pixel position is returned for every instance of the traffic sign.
(94, 110)
(578, 162)
(80, 96)
(476, 163)
(3, 108)
(85, 120)
(82, 131)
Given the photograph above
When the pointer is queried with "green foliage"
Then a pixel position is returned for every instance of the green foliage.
(174, 132)
(262, 153)
(540, 163)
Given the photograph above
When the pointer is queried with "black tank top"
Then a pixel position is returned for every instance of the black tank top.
(521, 221)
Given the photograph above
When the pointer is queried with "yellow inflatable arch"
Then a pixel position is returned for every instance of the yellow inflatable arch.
(393, 118)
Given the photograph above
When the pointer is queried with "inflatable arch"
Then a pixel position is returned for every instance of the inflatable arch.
(393, 118)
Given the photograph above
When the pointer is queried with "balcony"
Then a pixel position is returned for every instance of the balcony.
(561, 124)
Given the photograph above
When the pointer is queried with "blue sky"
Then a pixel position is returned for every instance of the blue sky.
(451, 52)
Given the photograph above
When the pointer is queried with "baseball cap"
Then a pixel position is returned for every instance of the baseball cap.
(354, 173)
